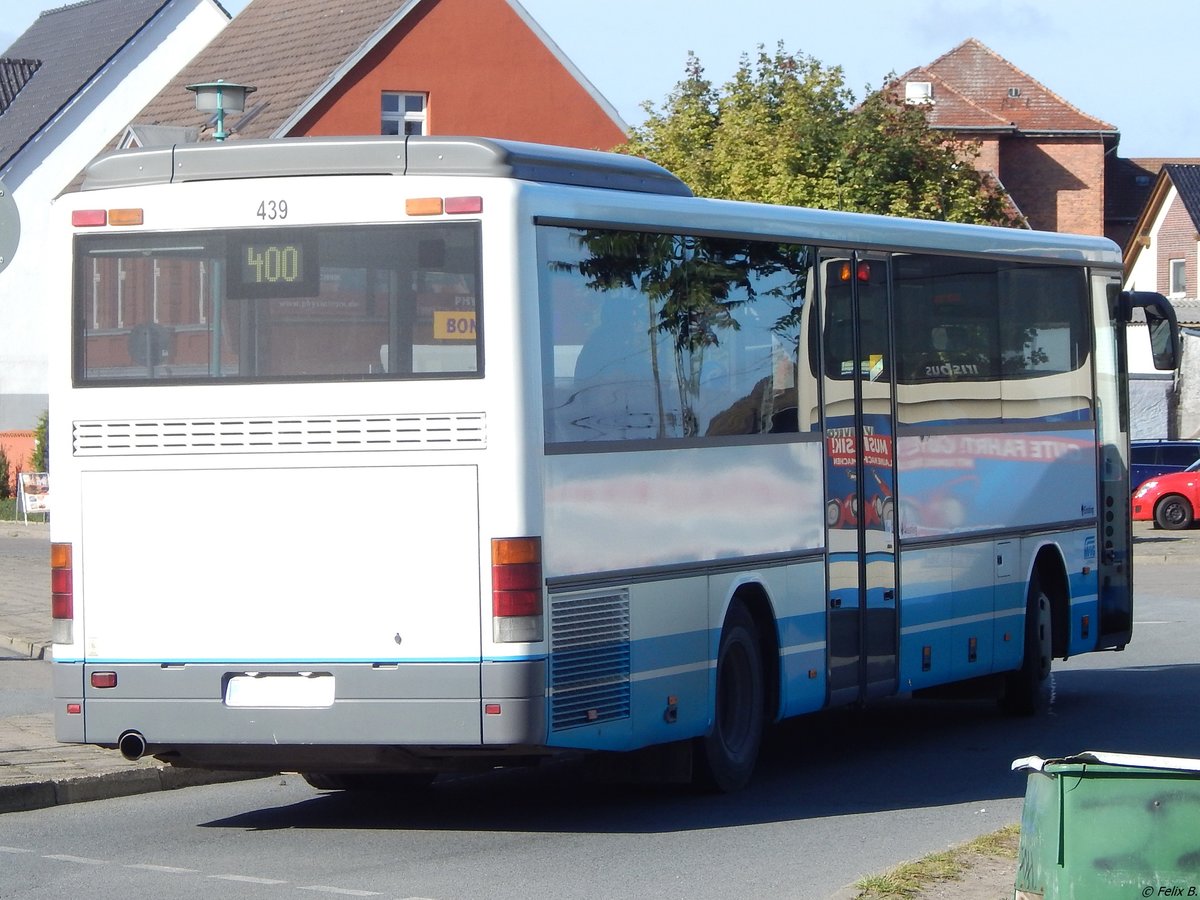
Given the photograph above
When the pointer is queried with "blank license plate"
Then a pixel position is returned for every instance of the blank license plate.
(280, 691)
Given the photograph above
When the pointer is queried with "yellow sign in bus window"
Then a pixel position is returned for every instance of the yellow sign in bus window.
(453, 325)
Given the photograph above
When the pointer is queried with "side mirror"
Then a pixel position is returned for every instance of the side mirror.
(1160, 322)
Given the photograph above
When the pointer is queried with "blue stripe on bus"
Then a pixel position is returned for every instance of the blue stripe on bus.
(1083, 414)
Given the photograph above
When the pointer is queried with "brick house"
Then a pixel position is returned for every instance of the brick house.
(1047, 154)
(481, 67)
(1128, 185)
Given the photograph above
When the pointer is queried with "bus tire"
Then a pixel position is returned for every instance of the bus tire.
(728, 753)
(375, 782)
(1026, 689)
(1174, 513)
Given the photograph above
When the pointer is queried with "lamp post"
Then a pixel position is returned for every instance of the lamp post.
(220, 96)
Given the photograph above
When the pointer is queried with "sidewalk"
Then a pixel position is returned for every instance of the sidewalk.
(35, 770)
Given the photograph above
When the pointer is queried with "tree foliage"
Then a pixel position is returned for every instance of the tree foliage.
(785, 129)
(40, 460)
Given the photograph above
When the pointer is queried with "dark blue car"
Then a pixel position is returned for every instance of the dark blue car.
(1151, 458)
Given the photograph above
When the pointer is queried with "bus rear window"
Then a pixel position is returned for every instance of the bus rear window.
(365, 302)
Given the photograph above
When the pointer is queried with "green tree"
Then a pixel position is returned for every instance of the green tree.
(40, 461)
(5, 475)
(680, 137)
(785, 129)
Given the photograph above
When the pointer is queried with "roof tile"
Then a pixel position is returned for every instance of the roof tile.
(974, 87)
(285, 48)
(14, 75)
(73, 43)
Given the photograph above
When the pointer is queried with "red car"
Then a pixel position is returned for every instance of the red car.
(1170, 501)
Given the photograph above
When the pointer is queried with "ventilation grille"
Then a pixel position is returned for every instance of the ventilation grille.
(268, 435)
(589, 659)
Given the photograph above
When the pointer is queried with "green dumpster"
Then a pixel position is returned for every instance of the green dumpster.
(1109, 825)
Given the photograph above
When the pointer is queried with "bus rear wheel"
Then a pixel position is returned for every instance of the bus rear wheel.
(727, 755)
(1026, 689)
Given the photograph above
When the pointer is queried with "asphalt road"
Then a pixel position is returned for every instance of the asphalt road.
(837, 796)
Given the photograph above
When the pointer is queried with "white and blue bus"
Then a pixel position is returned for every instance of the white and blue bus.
(379, 458)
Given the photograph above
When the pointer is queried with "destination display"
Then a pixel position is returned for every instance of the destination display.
(264, 269)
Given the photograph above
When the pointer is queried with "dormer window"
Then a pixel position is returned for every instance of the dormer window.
(918, 92)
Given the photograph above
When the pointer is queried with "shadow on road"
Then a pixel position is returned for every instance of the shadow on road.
(901, 754)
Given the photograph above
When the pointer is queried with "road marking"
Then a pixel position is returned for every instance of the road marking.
(82, 860)
(176, 870)
(344, 892)
(248, 879)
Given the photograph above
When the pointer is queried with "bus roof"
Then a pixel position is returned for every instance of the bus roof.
(569, 166)
(410, 155)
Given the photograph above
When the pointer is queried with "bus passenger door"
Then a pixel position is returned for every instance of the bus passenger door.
(860, 510)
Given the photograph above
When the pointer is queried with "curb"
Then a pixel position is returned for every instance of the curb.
(43, 794)
(25, 647)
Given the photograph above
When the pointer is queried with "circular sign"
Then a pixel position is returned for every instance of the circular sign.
(10, 227)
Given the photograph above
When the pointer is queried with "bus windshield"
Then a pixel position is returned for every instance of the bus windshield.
(345, 302)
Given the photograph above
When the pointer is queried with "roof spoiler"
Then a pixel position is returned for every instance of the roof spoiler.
(405, 155)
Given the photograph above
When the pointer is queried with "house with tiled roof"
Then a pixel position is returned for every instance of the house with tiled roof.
(481, 67)
(1048, 155)
(76, 74)
(1128, 184)
(1163, 255)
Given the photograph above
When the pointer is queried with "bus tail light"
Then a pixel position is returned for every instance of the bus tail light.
(92, 218)
(89, 218)
(435, 206)
(423, 206)
(457, 206)
(62, 594)
(126, 217)
(516, 589)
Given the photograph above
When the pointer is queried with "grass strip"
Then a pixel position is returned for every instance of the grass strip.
(908, 879)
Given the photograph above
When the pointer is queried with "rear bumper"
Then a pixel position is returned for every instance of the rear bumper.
(181, 711)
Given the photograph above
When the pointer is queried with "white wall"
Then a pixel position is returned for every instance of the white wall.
(48, 165)
(1150, 406)
(1143, 276)
(1188, 415)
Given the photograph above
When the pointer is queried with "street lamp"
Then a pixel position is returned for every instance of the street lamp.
(220, 96)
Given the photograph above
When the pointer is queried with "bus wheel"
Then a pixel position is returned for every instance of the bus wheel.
(377, 782)
(1026, 689)
(728, 753)
(1173, 512)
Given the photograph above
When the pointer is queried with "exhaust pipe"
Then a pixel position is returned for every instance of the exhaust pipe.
(132, 745)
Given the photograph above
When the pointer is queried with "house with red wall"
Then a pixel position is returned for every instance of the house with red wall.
(480, 67)
(18, 447)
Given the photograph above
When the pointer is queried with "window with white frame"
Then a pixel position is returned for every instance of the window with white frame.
(403, 113)
(1178, 277)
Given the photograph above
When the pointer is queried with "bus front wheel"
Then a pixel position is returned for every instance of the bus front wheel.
(1025, 689)
(728, 753)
